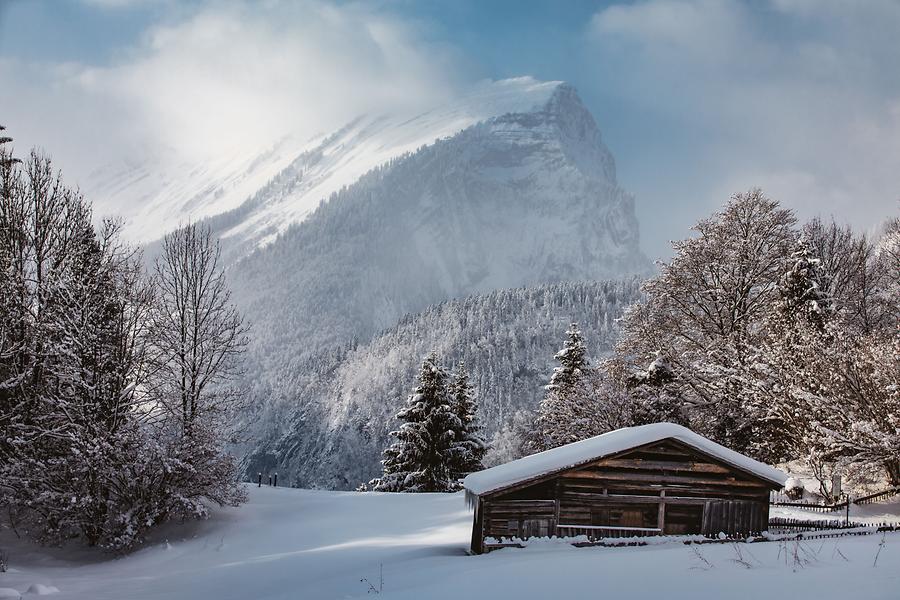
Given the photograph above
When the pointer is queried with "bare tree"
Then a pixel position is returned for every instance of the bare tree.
(851, 274)
(702, 312)
(198, 333)
(6, 158)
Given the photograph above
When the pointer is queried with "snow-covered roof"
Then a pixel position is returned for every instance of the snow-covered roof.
(620, 440)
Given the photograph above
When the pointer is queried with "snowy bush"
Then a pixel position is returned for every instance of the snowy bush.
(793, 488)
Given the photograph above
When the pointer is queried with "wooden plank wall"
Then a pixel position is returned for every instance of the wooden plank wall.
(734, 517)
(507, 518)
(680, 470)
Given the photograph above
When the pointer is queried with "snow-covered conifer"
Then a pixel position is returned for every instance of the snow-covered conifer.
(560, 418)
(420, 459)
(468, 448)
(572, 361)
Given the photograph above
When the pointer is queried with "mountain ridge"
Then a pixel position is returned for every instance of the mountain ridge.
(295, 175)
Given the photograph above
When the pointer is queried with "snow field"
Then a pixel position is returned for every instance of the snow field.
(300, 544)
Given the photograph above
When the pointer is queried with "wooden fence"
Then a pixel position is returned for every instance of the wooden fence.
(878, 496)
(782, 525)
(791, 529)
(780, 499)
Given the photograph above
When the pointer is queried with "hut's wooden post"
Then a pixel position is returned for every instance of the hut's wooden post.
(554, 531)
(478, 528)
(661, 519)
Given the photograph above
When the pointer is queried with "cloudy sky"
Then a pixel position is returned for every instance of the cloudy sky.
(697, 99)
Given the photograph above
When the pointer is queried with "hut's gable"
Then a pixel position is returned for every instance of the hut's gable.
(670, 464)
(525, 471)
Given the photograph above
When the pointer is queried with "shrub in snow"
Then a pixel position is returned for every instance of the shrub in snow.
(40, 589)
(793, 488)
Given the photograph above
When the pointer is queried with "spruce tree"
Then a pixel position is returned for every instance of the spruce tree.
(469, 447)
(567, 394)
(6, 159)
(801, 293)
(420, 459)
(572, 361)
(796, 332)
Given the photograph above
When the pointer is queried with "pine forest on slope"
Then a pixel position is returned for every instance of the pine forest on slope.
(324, 421)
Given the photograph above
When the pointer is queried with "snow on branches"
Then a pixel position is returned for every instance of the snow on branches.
(774, 341)
(86, 449)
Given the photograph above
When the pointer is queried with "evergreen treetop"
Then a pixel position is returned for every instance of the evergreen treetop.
(572, 361)
(468, 447)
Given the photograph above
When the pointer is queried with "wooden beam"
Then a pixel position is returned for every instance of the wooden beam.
(661, 465)
(576, 502)
(661, 479)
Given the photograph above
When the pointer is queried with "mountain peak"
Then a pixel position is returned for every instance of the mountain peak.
(493, 98)
(253, 197)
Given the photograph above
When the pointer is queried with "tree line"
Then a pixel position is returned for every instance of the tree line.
(114, 378)
(325, 422)
(777, 340)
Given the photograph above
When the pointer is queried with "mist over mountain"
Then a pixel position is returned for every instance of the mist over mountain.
(519, 199)
(330, 243)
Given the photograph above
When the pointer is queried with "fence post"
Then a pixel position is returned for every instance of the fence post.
(276, 479)
(270, 480)
(259, 480)
(848, 511)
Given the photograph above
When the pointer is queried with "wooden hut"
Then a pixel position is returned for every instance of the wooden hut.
(658, 479)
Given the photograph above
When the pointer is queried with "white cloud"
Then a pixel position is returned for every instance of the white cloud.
(227, 74)
(796, 96)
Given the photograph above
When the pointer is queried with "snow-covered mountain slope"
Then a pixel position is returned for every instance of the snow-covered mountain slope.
(323, 422)
(526, 198)
(155, 194)
(287, 544)
(280, 185)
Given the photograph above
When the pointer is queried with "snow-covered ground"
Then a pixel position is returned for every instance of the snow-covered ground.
(314, 545)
